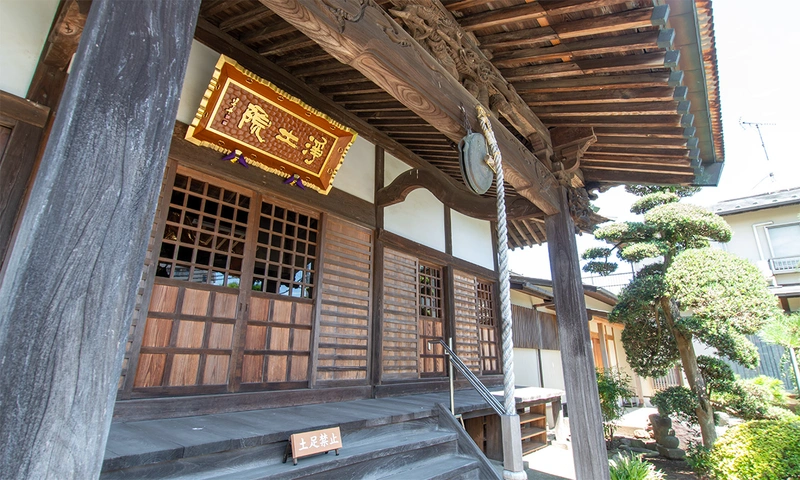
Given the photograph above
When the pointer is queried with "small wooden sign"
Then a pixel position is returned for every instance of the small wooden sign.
(316, 441)
(263, 126)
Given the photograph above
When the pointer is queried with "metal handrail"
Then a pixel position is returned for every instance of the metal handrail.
(471, 378)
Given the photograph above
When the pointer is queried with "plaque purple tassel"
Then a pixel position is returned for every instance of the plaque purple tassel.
(294, 180)
(236, 155)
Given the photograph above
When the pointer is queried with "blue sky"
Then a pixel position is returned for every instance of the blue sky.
(759, 82)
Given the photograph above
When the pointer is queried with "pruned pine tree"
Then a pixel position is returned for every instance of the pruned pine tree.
(689, 291)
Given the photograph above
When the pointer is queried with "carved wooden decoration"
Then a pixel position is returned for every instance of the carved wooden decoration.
(569, 145)
(581, 211)
(432, 25)
(374, 44)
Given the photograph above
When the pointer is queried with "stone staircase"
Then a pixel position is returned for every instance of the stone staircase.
(432, 445)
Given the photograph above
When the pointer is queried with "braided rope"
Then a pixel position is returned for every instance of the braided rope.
(502, 253)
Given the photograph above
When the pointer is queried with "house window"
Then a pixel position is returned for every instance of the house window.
(204, 235)
(286, 252)
(784, 243)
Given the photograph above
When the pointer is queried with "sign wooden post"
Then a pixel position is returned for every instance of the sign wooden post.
(313, 442)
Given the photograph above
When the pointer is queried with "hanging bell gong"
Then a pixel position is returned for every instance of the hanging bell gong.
(472, 157)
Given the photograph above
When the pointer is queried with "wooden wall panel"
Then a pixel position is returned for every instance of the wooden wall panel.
(346, 303)
(466, 316)
(276, 344)
(400, 285)
(534, 329)
(182, 344)
(525, 327)
(549, 328)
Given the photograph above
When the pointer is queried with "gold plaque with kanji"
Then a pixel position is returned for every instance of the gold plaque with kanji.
(255, 121)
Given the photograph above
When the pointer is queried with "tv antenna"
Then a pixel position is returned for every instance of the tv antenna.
(758, 125)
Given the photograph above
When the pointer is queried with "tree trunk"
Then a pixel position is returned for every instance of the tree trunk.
(704, 410)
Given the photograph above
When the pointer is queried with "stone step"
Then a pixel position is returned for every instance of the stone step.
(360, 461)
(441, 468)
(264, 461)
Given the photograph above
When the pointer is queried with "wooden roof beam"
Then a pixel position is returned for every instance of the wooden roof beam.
(633, 178)
(633, 151)
(528, 37)
(642, 168)
(596, 46)
(611, 141)
(369, 40)
(638, 80)
(614, 22)
(624, 64)
(244, 19)
(287, 45)
(628, 121)
(626, 108)
(615, 95)
(646, 131)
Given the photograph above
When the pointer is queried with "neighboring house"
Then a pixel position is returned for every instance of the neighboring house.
(537, 352)
(766, 231)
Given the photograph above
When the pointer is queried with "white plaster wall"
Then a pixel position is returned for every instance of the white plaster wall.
(526, 367)
(521, 299)
(356, 176)
(392, 168)
(794, 304)
(472, 239)
(24, 25)
(552, 373)
(419, 218)
(595, 304)
(199, 71)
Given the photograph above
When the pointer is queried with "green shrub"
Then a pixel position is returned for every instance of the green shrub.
(613, 386)
(632, 467)
(756, 399)
(698, 457)
(760, 449)
(779, 413)
(718, 375)
(676, 400)
(773, 386)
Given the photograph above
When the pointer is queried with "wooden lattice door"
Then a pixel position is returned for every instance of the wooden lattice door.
(232, 301)
(430, 321)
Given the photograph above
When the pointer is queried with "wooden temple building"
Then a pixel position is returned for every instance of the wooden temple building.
(148, 275)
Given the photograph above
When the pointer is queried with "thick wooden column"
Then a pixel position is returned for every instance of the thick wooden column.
(70, 284)
(585, 421)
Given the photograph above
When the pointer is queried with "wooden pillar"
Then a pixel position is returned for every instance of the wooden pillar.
(585, 420)
(375, 367)
(601, 333)
(70, 284)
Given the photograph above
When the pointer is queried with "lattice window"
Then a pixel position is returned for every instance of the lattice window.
(487, 327)
(430, 291)
(286, 252)
(204, 233)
